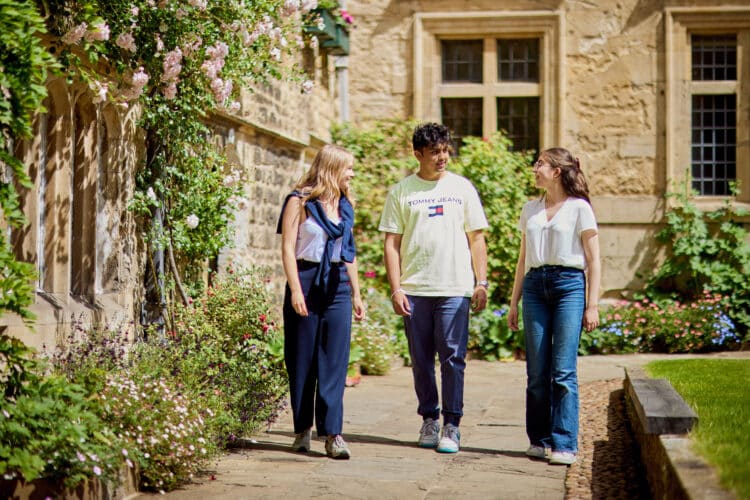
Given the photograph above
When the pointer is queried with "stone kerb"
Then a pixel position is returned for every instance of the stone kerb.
(660, 420)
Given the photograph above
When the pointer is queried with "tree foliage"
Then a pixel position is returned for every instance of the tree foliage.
(505, 182)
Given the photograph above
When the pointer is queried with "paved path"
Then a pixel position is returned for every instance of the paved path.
(381, 426)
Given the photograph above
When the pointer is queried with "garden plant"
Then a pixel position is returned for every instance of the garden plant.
(174, 402)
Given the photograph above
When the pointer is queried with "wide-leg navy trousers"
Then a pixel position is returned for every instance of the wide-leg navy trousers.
(316, 350)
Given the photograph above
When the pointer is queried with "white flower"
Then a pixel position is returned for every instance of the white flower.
(291, 6)
(307, 86)
(200, 4)
(100, 90)
(75, 34)
(192, 221)
(276, 53)
(150, 194)
(308, 5)
(98, 32)
(126, 41)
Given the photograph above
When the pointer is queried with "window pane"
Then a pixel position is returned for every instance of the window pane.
(519, 118)
(714, 57)
(518, 60)
(462, 60)
(713, 132)
(463, 116)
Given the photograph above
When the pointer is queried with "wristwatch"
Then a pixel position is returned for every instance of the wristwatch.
(483, 283)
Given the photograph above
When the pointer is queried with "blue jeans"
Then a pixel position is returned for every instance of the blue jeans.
(553, 305)
(438, 325)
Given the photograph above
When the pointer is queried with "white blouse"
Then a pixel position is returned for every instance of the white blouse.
(556, 242)
(311, 242)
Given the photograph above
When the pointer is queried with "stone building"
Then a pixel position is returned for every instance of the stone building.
(83, 158)
(642, 91)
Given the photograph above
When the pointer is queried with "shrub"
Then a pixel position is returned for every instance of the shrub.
(383, 157)
(379, 336)
(90, 353)
(665, 326)
(491, 338)
(48, 427)
(174, 400)
(223, 350)
(706, 251)
(164, 429)
(504, 181)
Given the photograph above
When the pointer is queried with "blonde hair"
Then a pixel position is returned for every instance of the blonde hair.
(323, 180)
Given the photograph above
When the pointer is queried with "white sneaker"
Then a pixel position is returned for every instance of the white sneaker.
(451, 439)
(302, 441)
(536, 451)
(562, 458)
(429, 434)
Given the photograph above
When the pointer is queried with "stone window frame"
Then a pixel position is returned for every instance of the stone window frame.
(548, 26)
(72, 164)
(680, 24)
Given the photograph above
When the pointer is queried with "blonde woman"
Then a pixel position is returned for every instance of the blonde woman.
(319, 258)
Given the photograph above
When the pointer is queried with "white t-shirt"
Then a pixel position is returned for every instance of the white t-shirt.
(556, 242)
(433, 218)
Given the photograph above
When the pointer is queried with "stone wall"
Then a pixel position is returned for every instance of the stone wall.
(275, 136)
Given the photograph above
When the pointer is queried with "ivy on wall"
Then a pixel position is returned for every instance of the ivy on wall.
(24, 66)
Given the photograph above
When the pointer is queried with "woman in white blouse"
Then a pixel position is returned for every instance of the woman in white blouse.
(559, 251)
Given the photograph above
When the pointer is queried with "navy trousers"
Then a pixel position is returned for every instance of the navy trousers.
(438, 325)
(316, 350)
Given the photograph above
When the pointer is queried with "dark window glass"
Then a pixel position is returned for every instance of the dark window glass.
(714, 119)
(462, 60)
(463, 116)
(714, 57)
(518, 117)
(518, 60)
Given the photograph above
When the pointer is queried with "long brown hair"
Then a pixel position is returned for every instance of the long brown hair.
(572, 178)
(323, 180)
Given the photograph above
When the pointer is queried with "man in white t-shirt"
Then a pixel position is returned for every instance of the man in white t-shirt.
(436, 260)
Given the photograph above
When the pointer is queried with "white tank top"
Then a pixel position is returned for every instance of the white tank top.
(311, 242)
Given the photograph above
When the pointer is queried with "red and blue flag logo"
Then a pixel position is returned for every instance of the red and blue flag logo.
(435, 210)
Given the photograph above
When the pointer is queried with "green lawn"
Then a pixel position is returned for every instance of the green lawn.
(718, 391)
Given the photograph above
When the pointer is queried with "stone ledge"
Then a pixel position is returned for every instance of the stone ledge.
(659, 407)
(660, 420)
